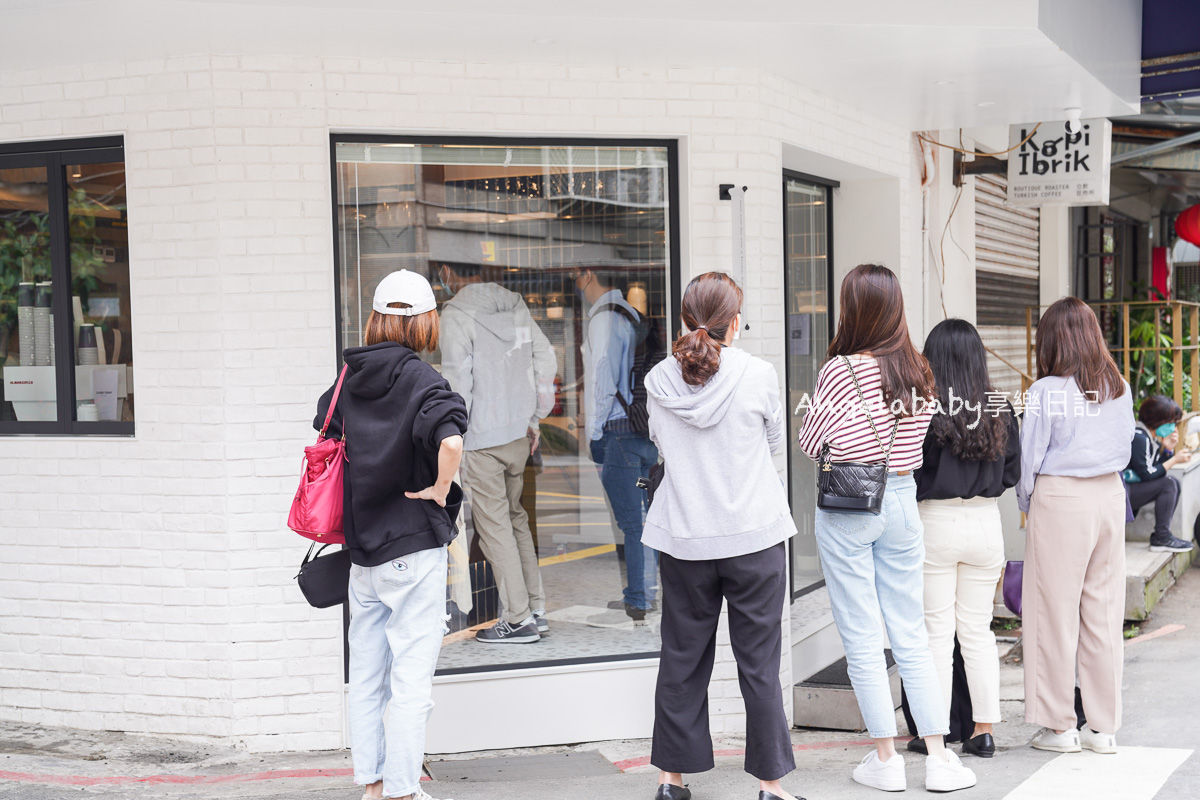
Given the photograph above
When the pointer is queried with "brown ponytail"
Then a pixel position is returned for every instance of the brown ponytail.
(710, 304)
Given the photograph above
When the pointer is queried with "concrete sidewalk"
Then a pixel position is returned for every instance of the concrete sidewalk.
(39, 764)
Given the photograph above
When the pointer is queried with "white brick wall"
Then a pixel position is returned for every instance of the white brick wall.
(147, 583)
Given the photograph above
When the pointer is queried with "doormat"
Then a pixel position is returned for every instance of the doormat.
(548, 766)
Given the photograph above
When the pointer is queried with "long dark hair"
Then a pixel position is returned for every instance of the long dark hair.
(955, 354)
(871, 320)
(1070, 344)
(710, 304)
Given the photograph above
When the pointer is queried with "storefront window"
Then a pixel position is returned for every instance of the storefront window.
(553, 268)
(807, 293)
(65, 325)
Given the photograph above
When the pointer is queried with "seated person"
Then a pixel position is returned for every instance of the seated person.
(1155, 442)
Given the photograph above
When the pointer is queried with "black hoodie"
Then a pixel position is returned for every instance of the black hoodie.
(397, 410)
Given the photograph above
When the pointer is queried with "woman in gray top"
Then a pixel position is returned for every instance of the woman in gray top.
(1075, 435)
(720, 519)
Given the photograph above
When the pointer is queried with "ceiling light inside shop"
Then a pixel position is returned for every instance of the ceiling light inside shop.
(985, 104)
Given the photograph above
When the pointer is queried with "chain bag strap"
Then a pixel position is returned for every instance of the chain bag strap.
(855, 486)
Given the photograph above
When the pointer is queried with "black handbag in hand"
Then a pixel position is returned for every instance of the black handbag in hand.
(325, 580)
(854, 486)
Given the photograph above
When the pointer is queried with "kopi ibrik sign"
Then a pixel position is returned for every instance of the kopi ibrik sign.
(1058, 168)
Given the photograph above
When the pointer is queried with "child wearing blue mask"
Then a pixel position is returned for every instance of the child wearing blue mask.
(1155, 450)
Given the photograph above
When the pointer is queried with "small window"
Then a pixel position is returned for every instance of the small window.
(66, 330)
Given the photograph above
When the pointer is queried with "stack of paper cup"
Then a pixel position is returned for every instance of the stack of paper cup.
(89, 354)
(25, 301)
(88, 412)
(41, 325)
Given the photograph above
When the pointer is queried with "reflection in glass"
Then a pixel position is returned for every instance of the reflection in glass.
(99, 251)
(551, 267)
(806, 280)
(28, 390)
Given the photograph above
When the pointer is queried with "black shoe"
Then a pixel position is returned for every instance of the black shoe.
(768, 796)
(669, 791)
(1170, 544)
(637, 615)
(917, 745)
(982, 746)
(619, 605)
(504, 633)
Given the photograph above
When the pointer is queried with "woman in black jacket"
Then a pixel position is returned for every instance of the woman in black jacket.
(403, 428)
(1154, 451)
(972, 455)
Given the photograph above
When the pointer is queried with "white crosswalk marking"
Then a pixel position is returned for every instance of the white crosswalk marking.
(1134, 773)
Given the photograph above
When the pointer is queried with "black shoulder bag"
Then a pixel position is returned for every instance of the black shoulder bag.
(854, 486)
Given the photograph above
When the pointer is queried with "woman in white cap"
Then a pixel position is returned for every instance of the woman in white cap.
(404, 429)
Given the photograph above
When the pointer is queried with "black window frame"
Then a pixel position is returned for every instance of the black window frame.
(674, 278)
(830, 185)
(54, 156)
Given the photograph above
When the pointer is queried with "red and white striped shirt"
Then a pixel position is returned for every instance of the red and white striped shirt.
(836, 416)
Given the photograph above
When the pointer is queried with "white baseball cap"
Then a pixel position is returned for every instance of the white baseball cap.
(404, 287)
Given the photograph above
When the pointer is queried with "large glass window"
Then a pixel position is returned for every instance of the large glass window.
(553, 265)
(66, 333)
(807, 279)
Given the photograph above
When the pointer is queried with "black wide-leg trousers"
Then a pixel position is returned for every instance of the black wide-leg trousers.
(754, 586)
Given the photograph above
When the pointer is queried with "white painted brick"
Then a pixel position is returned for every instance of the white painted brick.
(191, 603)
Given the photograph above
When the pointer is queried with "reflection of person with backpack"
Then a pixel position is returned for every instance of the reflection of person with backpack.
(618, 349)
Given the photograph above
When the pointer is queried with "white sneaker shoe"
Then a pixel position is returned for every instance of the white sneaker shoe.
(947, 775)
(1065, 742)
(1105, 743)
(886, 775)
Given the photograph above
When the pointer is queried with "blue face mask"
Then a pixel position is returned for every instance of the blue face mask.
(1165, 430)
(445, 287)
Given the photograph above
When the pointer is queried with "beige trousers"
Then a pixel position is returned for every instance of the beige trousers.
(495, 477)
(964, 554)
(1073, 601)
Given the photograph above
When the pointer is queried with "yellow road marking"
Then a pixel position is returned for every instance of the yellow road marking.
(571, 496)
(577, 555)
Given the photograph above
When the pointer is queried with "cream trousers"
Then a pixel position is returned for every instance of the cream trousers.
(964, 554)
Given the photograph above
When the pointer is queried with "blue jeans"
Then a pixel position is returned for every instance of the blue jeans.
(397, 620)
(624, 456)
(873, 563)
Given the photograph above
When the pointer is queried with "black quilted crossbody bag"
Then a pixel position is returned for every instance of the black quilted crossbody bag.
(854, 486)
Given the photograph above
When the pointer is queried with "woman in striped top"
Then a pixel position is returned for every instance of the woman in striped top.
(874, 562)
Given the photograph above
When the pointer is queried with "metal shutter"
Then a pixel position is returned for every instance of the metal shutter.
(1007, 269)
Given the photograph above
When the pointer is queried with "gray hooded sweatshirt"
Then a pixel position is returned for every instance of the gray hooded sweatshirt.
(496, 357)
(721, 495)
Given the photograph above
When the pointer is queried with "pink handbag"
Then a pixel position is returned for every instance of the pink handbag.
(317, 507)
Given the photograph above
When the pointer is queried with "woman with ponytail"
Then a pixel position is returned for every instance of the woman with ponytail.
(720, 518)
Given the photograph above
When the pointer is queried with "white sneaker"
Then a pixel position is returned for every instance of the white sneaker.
(948, 774)
(1105, 743)
(886, 775)
(1065, 742)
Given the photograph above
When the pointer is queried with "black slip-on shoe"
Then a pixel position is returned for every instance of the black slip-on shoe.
(768, 796)
(982, 746)
(669, 791)
(917, 745)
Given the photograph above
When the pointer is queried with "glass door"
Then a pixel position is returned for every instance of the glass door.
(808, 273)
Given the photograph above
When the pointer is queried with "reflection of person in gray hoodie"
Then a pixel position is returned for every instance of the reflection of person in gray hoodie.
(720, 518)
(496, 357)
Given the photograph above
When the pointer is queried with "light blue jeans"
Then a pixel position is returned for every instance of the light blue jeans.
(873, 563)
(397, 620)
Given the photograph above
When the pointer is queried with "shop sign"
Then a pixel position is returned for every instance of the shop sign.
(1058, 168)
